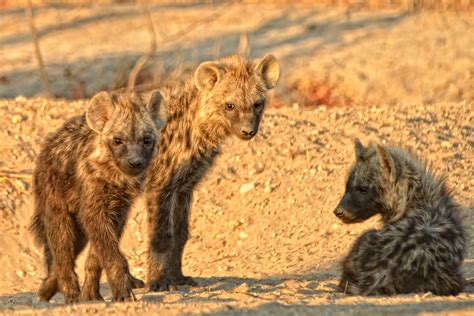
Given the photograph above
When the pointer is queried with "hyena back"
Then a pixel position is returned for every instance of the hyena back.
(86, 175)
(422, 244)
(225, 97)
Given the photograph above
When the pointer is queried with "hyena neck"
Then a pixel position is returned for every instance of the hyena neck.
(206, 135)
(417, 189)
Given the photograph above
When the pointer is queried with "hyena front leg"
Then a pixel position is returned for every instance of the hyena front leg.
(93, 271)
(181, 234)
(101, 223)
(160, 207)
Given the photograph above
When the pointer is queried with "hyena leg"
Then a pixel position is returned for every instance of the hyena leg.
(135, 283)
(63, 246)
(93, 270)
(161, 243)
(49, 286)
(106, 243)
(350, 273)
(181, 234)
(102, 225)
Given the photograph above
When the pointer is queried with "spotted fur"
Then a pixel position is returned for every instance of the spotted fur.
(85, 178)
(422, 244)
(224, 97)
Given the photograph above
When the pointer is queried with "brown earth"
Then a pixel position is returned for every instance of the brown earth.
(264, 239)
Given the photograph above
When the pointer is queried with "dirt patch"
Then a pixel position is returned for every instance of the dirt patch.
(264, 239)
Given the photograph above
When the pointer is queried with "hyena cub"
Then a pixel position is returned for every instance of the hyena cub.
(225, 97)
(86, 176)
(422, 244)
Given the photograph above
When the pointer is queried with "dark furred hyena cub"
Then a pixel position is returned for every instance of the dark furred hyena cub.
(422, 244)
(86, 176)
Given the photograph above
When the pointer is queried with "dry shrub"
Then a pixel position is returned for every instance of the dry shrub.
(310, 92)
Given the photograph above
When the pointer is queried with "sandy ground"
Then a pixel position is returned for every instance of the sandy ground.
(264, 239)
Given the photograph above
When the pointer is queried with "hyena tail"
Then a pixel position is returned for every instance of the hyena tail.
(37, 228)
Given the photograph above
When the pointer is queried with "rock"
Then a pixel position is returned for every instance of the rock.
(243, 288)
(243, 235)
(247, 187)
(20, 273)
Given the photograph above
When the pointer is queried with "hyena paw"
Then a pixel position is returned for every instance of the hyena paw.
(90, 295)
(135, 283)
(48, 288)
(122, 290)
(164, 283)
(71, 296)
(124, 294)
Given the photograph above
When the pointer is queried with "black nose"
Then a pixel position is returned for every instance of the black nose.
(246, 131)
(135, 163)
(338, 212)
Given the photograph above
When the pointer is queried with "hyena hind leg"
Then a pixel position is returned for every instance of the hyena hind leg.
(63, 246)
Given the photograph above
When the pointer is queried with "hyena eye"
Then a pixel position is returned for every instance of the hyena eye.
(117, 141)
(147, 140)
(258, 104)
(229, 106)
(363, 188)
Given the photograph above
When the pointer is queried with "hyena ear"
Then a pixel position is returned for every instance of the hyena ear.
(156, 108)
(269, 69)
(99, 110)
(360, 150)
(206, 75)
(386, 162)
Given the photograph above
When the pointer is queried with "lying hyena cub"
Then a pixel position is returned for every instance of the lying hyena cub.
(422, 244)
(86, 176)
(225, 97)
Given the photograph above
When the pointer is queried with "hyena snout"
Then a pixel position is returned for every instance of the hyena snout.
(248, 131)
(339, 212)
(248, 128)
(136, 163)
(342, 211)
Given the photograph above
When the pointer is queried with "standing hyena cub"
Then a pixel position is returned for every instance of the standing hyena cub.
(86, 176)
(225, 97)
(422, 244)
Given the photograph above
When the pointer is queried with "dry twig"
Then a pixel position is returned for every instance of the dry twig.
(165, 40)
(132, 79)
(26, 174)
(39, 57)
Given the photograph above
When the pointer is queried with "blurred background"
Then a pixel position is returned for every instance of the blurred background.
(333, 52)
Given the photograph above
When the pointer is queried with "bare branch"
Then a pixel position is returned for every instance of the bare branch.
(132, 79)
(165, 40)
(26, 174)
(39, 57)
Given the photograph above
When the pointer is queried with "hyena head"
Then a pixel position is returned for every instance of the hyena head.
(128, 125)
(233, 94)
(367, 184)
